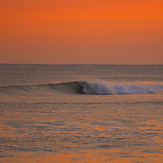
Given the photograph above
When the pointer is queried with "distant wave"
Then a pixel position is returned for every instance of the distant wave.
(82, 87)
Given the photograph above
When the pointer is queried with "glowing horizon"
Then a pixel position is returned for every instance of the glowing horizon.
(81, 32)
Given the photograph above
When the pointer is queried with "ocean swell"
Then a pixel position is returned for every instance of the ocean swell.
(82, 87)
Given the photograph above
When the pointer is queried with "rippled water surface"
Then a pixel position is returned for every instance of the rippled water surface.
(57, 126)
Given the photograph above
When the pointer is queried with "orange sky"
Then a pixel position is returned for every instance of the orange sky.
(81, 31)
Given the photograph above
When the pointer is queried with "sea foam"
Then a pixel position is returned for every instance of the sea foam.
(105, 88)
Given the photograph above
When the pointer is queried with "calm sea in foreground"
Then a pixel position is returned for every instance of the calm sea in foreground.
(81, 113)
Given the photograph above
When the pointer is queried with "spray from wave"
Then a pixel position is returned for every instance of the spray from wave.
(82, 87)
(104, 88)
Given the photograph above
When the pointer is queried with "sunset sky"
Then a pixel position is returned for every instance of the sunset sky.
(81, 31)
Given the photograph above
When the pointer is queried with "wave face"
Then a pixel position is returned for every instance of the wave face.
(41, 89)
(82, 87)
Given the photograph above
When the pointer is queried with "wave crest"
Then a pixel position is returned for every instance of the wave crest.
(82, 87)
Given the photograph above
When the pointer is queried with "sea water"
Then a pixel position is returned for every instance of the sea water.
(45, 117)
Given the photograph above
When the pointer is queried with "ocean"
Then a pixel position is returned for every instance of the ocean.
(81, 113)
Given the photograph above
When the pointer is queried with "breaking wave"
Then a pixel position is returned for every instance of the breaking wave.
(82, 87)
(104, 88)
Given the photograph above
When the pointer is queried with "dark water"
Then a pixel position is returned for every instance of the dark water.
(54, 123)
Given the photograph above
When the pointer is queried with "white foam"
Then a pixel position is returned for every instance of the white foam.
(104, 88)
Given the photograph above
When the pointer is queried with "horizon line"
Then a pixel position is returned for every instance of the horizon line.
(78, 64)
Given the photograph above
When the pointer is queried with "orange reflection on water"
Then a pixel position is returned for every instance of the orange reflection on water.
(84, 156)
